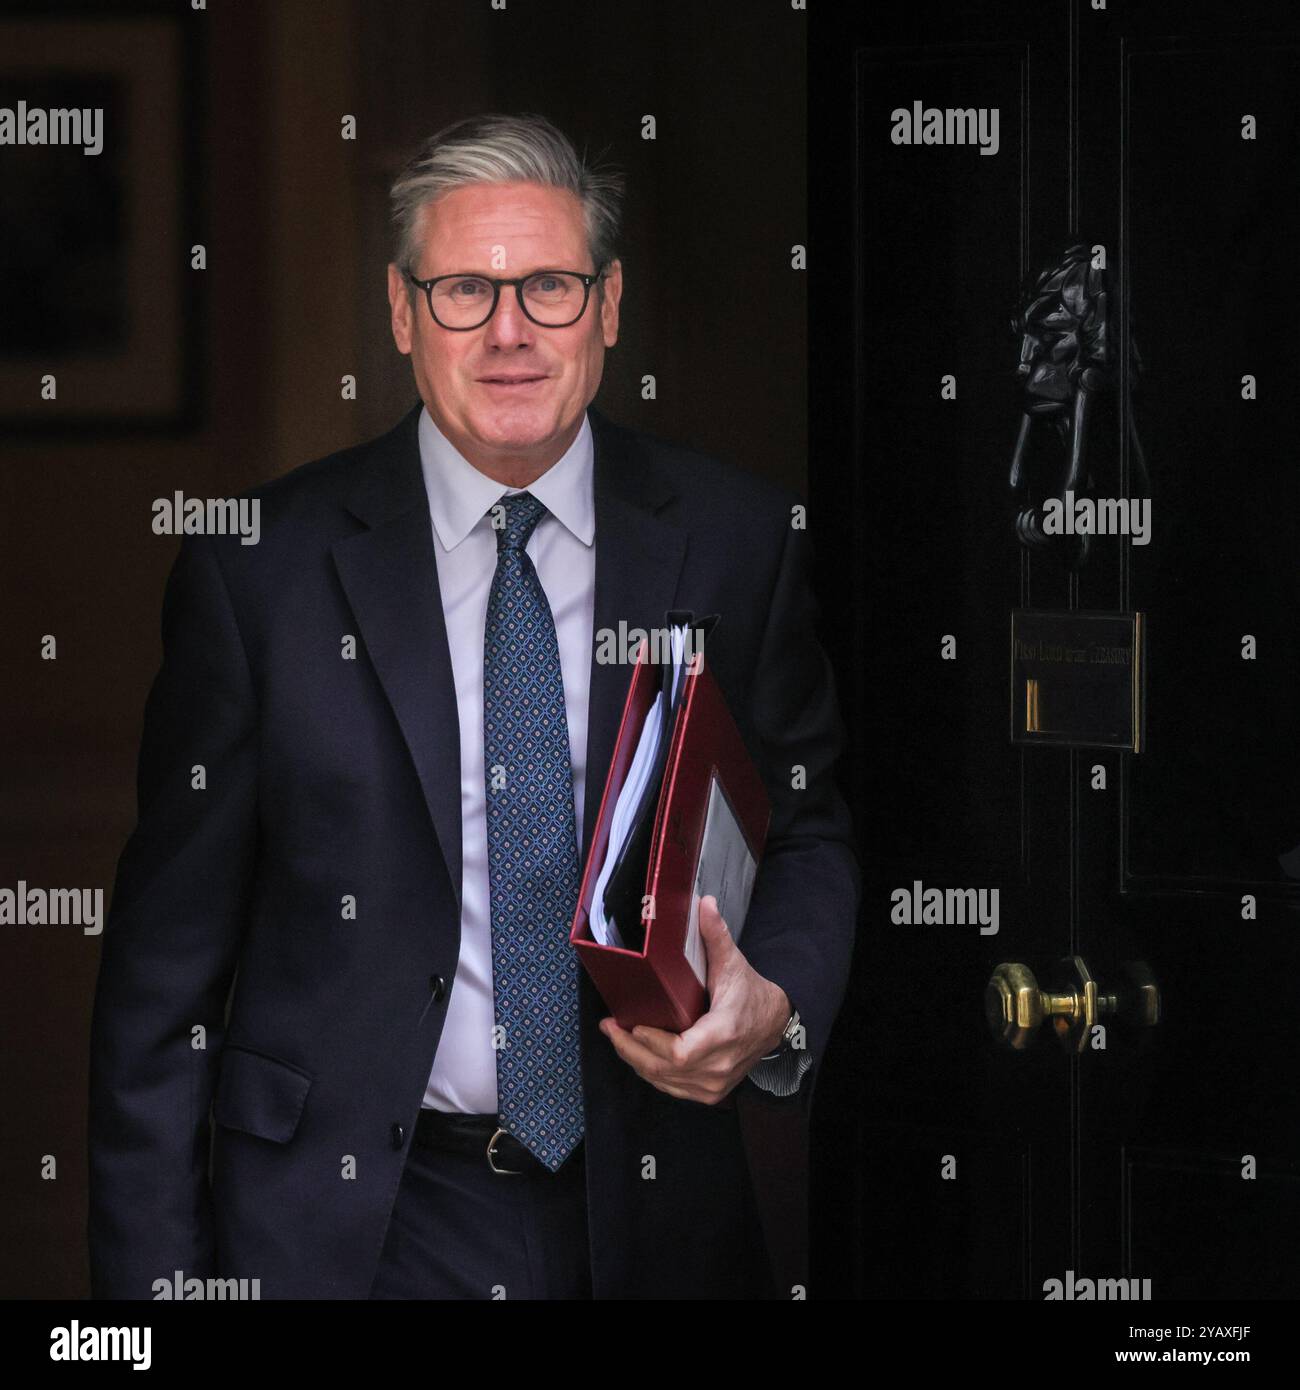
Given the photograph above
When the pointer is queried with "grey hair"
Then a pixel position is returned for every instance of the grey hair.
(497, 148)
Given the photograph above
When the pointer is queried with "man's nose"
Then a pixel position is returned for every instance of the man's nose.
(509, 326)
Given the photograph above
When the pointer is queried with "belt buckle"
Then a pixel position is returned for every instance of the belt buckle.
(491, 1156)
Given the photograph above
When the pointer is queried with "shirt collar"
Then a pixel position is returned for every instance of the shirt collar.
(460, 495)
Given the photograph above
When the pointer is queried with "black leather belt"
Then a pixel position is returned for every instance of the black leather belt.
(480, 1136)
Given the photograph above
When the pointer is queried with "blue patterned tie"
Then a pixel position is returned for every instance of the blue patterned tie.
(532, 850)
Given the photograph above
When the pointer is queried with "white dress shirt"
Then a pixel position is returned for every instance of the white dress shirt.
(563, 553)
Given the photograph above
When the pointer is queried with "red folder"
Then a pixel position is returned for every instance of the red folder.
(657, 985)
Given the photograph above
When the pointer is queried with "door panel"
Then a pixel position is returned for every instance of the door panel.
(978, 1171)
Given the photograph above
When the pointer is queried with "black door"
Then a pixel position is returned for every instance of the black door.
(1161, 141)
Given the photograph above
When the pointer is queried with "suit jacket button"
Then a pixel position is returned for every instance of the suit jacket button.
(439, 987)
(398, 1136)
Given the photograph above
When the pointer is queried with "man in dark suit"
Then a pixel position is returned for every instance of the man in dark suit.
(341, 1044)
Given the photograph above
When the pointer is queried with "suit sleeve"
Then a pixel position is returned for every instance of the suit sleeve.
(802, 917)
(170, 946)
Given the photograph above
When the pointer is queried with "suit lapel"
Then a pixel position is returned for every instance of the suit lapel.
(389, 573)
(638, 563)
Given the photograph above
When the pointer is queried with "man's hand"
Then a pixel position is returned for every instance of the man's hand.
(747, 1015)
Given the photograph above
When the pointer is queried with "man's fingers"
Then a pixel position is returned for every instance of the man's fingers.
(636, 1054)
(719, 948)
(660, 1071)
(712, 1029)
(711, 919)
(647, 1065)
(711, 1032)
(659, 1041)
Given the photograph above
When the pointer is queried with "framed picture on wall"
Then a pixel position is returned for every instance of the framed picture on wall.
(99, 301)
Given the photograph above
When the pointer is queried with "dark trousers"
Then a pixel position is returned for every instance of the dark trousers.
(459, 1230)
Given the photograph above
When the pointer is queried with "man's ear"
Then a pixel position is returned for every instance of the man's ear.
(399, 304)
(613, 292)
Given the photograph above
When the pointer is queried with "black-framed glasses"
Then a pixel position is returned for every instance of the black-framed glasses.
(550, 298)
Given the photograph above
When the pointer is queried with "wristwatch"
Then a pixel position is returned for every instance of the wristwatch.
(788, 1035)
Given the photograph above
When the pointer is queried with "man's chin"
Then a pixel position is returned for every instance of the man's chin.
(515, 431)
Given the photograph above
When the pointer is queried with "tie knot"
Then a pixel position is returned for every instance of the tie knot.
(522, 513)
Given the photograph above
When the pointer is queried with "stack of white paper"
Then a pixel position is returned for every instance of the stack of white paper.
(645, 761)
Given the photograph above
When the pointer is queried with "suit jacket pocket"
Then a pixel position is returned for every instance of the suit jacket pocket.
(259, 1095)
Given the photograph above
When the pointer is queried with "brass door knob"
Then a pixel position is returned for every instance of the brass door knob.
(1016, 1006)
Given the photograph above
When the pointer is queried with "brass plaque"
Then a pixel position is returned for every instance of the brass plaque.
(1078, 679)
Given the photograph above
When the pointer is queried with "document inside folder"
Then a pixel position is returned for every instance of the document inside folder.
(616, 900)
(727, 869)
